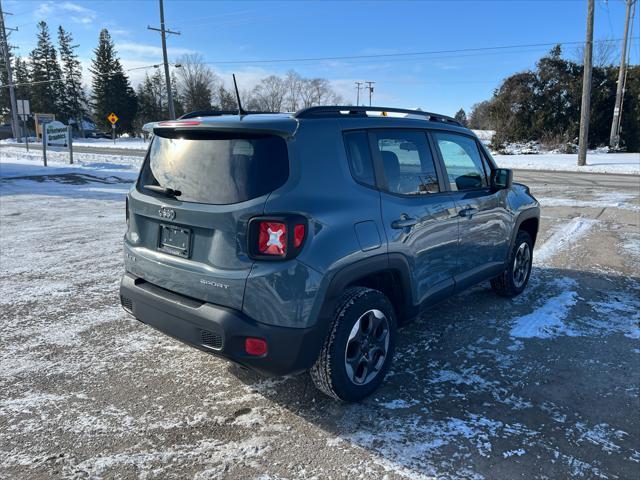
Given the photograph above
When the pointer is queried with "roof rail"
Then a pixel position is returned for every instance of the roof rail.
(215, 113)
(333, 111)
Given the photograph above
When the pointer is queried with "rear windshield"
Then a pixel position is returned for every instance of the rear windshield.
(215, 167)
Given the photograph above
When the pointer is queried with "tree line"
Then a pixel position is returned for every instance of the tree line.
(543, 105)
(51, 79)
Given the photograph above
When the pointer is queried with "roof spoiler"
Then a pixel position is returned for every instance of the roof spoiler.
(337, 111)
(216, 113)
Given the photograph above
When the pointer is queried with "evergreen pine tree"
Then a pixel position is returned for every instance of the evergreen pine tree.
(461, 116)
(112, 91)
(45, 75)
(149, 103)
(21, 79)
(73, 104)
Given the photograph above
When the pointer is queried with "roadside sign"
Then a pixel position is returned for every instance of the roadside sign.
(41, 118)
(56, 133)
(23, 108)
(113, 118)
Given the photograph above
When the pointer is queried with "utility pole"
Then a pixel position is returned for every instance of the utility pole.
(586, 88)
(614, 139)
(370, 88)
(163, 32)
(15, 126)
(358, 87)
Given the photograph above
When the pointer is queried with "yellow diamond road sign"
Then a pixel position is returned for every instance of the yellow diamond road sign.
(113, 118)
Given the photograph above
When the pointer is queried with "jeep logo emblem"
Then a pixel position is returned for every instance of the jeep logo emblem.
(167, 213)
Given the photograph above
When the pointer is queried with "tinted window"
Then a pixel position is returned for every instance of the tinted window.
(462, 161)
(216, 168)
(407, 162)
(357, 144)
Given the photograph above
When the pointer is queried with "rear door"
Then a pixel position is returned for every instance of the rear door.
(419, 217)
(191, 239)
(484, 219)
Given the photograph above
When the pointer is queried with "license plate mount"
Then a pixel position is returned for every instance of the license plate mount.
(175, 240)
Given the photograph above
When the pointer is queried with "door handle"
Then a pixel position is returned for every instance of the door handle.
(405, 221)
(467, 212)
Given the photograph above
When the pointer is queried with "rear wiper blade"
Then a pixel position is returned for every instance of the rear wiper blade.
(170, 192)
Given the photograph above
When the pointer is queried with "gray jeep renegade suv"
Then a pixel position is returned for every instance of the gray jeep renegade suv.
(292, 242)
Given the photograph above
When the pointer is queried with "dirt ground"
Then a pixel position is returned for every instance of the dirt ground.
(542, 386)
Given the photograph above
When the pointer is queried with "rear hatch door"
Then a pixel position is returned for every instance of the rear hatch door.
(196, 191)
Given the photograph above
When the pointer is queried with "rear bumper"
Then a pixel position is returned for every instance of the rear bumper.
(220, 331)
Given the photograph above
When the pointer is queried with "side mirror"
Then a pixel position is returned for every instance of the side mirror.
(501, 179)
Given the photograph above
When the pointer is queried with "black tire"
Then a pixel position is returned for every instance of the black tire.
(330, 372)
(507, 284)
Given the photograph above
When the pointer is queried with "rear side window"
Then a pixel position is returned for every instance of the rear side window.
(407, 162)
(462, 160)
(214, 167)
(360, 164)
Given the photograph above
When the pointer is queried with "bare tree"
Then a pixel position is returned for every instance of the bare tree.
(605, 53)
(293, 82)
(196, 82)
(270, 93)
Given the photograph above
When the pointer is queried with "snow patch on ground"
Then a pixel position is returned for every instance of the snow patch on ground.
(546, 321)
(563, 238)
(398, 404)
(510, 453)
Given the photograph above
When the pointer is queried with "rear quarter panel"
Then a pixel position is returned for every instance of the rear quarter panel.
(322, 189)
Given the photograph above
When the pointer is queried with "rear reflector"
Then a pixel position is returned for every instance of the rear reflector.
(272, 239)
(255, 346)
(298, 235)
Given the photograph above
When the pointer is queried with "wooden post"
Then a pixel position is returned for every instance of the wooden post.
(70, 143)
(44, 143)
(586, 89)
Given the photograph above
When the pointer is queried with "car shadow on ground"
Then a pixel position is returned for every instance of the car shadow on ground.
(543, 384)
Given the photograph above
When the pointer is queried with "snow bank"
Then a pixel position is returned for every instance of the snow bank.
(121, 143)
(14, 162)
(625, 163)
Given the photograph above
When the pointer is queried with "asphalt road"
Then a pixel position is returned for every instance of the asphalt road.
(543, 386)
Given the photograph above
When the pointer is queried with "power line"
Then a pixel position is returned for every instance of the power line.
(31, 83)
(404, 54)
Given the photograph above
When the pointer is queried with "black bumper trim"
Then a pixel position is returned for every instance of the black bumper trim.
(290, 350)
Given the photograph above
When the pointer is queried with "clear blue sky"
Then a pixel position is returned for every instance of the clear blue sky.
(249, 31)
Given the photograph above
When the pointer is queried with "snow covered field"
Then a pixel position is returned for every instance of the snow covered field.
(545, 385)
(121, 143)
(623, 163)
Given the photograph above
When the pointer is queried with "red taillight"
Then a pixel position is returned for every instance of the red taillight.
(276, 238)
(255, 346)
(272, 239)
(298, 235)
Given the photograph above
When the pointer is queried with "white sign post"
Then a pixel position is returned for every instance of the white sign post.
(56, 134)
